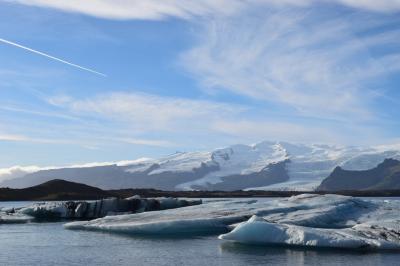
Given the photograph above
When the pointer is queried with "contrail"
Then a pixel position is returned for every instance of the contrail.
(52, 57)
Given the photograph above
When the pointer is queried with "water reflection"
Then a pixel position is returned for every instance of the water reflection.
(300, 256)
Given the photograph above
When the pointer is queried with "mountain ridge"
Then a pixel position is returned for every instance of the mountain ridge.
(237, 167)
(385, 175)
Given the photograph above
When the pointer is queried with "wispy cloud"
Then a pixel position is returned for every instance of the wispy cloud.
(315, 63)
(140, 119)
(11, 137)
(255, 129)
(23, 138)
(51, 57)
(147, 112)
(147, 142)
(137, 9)
(188, 9)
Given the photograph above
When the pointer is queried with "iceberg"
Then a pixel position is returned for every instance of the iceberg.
(91, 209)
(328, 221)
(208, 218)
(258, 231)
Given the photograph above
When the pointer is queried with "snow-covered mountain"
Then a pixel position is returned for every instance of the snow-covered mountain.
(265, 165)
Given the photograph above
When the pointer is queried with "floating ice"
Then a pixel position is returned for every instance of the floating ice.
(14, 218)
(91, 209)
(258, 231)
(212, 217)
(324, 221)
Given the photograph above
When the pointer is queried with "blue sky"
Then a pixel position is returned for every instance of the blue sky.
(193, 75)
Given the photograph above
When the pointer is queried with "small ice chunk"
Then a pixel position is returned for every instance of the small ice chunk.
(14, 218)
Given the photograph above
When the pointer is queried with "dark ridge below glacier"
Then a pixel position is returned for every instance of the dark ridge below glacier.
(385, 176)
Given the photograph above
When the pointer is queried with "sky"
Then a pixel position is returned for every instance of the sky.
(111, 80)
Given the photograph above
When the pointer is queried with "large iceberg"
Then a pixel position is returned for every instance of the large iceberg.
(306, 220)
(90, 209)
(213, 217)
(324, 221)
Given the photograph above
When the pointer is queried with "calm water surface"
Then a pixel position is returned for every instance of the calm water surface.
(50, 244)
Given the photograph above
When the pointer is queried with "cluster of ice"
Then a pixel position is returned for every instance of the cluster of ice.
(91, 209)
(304, 220)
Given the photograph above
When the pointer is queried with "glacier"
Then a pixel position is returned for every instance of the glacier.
(307, 220)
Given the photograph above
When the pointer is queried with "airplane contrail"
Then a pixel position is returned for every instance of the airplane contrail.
(51, 57)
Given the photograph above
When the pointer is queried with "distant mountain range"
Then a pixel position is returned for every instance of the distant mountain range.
(262, 166)
(56, 190)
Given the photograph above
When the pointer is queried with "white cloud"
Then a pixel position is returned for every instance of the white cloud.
(23, 138)
(147, 142)
(139, 9)
(186, 9)
(317, 66)
(147, 112)
(12, 137)
(90, 144)
(247, 130)
(16, 172)
(198, 123)
(383, 6)
(20, 171)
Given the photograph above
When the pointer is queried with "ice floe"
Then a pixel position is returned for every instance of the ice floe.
(258, 231)
(91, 209)
(14, 218)
(212, 217)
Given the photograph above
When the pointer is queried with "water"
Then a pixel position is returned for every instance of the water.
(49, 244)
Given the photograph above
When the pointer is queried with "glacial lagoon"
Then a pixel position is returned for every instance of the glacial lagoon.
(47, 243)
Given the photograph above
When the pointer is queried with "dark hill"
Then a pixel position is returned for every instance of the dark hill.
(386, 176)
(54, 190)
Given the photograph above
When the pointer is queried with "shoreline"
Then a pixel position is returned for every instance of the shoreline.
(152, 193)
(57, 189)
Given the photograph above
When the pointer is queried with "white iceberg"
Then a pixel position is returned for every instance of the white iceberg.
(330, 221)
(258, 231)
(211, 217)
